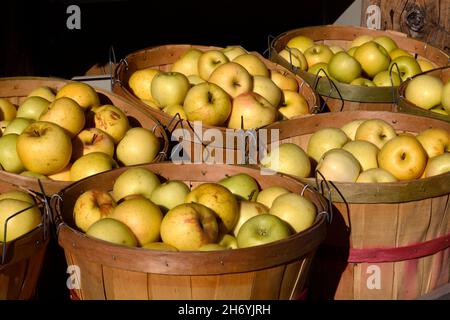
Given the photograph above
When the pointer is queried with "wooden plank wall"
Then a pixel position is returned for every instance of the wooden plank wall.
(425, 20)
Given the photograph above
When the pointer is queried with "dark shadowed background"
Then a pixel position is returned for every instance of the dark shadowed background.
(36, 41)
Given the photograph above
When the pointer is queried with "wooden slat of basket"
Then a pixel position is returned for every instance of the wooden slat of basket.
(267, 283)
(291, 272)
(91, 279)
(167, 287)
(117, 284)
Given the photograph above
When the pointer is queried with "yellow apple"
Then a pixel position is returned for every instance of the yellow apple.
(344, 68)
(140, 83)
(233, 78)
(63, 175)
(372, 57)
(34, 175)
(220, 200)
(175, 111)
(350, 128)
(300, 42)
(111, 120)
(82, 93)
(3, 125)
(187, 64)
(445, 100)
(189, 226)
(363, 82)
(376, 131)
(233, 51)
(90, 164)
(360, 40)
(17, 126)
(262, 229)
(336, 49)
(339, 165)
(405, 66)
(404, 157)
(160, 246)
(318, 53)
(251, 111)
(293, 104)
(320, 70)
(394, 54)
(20, 224)
(193, 79)
(425, 65)
(32, 108)
(254, 65)
(425, 91)
(207, 102)
(296, 210)
(228, 241)
(169, 88)
(284, 81)
(351, 51)
(92, 140)
(295, 57)
(243, 186)
(323, 140)
(209, 61)
(375, 175)
(113, 231)
(17, 195)
(387, 43)
(435, 141)
(66, 113)
(269, 194)
(265, 87)
(9, 158)
(135, 181)
(91, 206)
(365, 152)
(438, 165)
(7, 110)
(142, 216)
(212, 247)
(44, 148)
(288, 158)
(138, 146)
(387, 79)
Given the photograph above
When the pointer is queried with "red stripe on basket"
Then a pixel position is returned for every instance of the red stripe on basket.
(417, 250)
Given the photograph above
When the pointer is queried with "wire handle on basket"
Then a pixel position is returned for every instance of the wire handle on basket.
(162, 130)
(320, 188)
(268, 51)
(331, 85)
(393, 91)
(55, 203)
(116, 78)
(112, 62)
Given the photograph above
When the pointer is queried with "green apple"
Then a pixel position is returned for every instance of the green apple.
(7, 110)
(189, 226)
(169, 194)
(375, 175)
(344, 68)
(319, 69)
(91, 206)
(372, 57)
(212, 247)
(187, 63)
(387, 79)
(138, 146)
(425, 91)
(325, 139)
(90, 164)
(220, 200)
(269, 194)
(228, 241)
(339, 165)
(135, 181)
(407, 67)
(32, 108)
(17, 195)
(20, 224)
(242, 186)
(43, 92)
(288, 158)
(248, 209)
(169, 88)
(44, 148)
(142, 216)
(17, 126)
(360, 40)
(262, 229)
(9, 159)
(298, 211)
(387, 43)
(113, 231)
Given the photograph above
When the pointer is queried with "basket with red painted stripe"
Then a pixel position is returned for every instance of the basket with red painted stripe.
(386, 241)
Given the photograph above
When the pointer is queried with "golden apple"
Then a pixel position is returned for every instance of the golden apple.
(251, 111)
(20, 224)
(293, 105)
(438, 165)
(113, 231)
(233, 78)
(339, 165)
(284, 81)
(90, 164)
(325, 139)
(435, 141)
(248, 209)
(376, 131)
(135, 181)
(365, 152)
(375, 175)
(288, 158)
(111, 120)
(138, 146)
(91, 206)
(350, 128)
(66, 113)
(209, 61)
(140, 83)
(43, 92)
(7, 110)
(92, 140)
(188, 62)
(254, 65)
(269, 194)
(82, 93)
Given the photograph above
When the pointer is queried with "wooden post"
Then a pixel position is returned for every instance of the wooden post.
(426, 20)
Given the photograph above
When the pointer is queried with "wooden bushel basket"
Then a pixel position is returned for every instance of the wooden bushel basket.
(404, 105)
(162, 58)
(386, 241)
(354, 97)
(16, 90)
(106, 271)
(21, 260)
